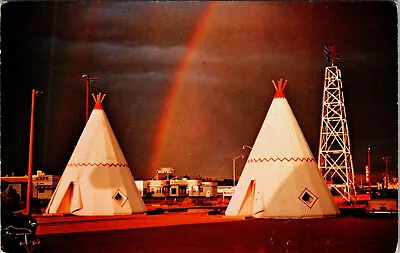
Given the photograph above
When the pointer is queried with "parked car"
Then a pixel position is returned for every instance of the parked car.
(18, 233)
(382, 206)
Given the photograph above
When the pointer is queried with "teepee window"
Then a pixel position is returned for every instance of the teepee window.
(120, 198)
(308, 198)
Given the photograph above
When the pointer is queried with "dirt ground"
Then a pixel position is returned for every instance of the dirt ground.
(199, 232)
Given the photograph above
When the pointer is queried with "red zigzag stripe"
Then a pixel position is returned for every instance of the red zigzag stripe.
(98, 164)
(298, 159)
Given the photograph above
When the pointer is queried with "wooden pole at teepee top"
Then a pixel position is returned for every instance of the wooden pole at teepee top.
(284, 85)
(104, 95)
(279, 87)
(98, 98)
(273, 82)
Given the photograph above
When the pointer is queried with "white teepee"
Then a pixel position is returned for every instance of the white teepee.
(281, 179)
(97, 179)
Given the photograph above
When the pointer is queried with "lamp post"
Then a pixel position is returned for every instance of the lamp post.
(88, 80)
(29, 190)
(369, 170)
(234, 167)
(387, 159)
(246, 146)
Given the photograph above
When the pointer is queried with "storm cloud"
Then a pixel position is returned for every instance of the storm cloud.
(139, 49)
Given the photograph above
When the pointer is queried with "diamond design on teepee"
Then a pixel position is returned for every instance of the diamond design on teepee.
(120, 198)
(308, 198)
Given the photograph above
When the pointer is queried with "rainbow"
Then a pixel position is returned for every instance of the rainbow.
(176, 84)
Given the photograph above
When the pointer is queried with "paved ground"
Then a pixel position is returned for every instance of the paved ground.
(198, 232)
(74, 224)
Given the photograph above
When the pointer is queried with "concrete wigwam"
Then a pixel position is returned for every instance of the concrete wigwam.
(281, 179)
(97, 179)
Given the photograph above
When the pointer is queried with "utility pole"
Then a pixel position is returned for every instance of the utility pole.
(29, 190)
(88, 80)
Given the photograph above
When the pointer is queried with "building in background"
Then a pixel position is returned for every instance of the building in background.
(43, 185)
(179, 188)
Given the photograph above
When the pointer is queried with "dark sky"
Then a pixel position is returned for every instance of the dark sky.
(136, 49)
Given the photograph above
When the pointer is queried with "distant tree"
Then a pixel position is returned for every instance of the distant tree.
(227, 182)
(10, 199)
(207, 179)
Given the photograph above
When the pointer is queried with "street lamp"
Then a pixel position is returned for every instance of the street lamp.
(246, 146)
(369, 170)
(234, 167)
(88, 80)
(387, 159)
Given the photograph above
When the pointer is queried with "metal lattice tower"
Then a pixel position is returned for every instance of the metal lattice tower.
(335, 161)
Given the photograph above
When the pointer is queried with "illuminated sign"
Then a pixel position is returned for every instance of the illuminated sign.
(366, 174)
(167, 170)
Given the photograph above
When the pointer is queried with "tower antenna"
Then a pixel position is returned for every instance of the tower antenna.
(334, 160)
(330, 53)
